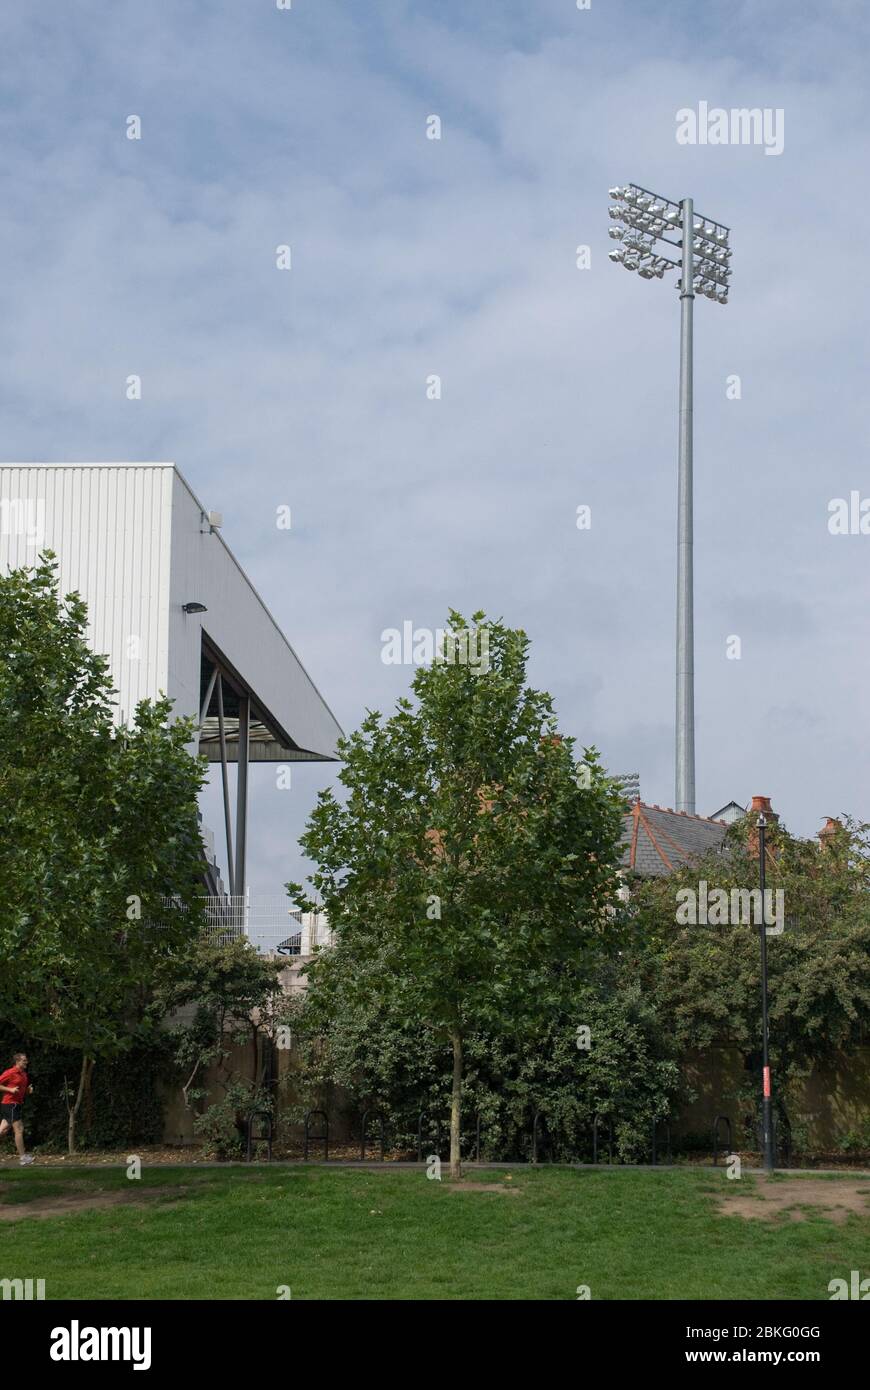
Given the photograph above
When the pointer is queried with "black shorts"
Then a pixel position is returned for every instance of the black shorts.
(11, 1112)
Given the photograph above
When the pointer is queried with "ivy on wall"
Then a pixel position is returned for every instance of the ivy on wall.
(122, 1108)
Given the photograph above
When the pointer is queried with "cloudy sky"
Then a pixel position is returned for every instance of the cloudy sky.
(412, 257)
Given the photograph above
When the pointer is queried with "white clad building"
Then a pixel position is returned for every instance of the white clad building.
(173, 611)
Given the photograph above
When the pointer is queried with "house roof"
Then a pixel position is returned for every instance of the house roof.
(656, 840)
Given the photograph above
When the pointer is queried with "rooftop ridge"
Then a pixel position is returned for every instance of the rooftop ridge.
(669, 810)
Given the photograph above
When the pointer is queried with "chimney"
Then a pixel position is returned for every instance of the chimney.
(828, 831)
(761, 804)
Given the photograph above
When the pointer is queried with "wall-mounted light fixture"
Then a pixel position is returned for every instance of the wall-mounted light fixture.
(194, 608)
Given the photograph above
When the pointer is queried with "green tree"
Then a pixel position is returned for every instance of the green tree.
(468, 874)
(99, 839)
(706, 979)
(385, 1061)
(220, 995)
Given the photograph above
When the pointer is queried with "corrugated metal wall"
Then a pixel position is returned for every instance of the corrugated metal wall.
(110, 525)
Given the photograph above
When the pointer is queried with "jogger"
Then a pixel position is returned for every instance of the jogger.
(14, 1086)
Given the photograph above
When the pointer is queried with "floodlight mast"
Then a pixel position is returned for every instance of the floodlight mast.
(704, 269)
(685, 714)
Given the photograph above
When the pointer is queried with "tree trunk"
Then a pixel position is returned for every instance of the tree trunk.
(456, 1108)
(185, 1090)
(73, 1110)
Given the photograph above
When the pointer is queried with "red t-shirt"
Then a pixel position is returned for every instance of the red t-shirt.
(17, 1078)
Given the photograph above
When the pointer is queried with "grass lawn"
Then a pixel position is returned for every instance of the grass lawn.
(392, 1234)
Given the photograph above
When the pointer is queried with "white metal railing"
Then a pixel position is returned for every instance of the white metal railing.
(269, 923)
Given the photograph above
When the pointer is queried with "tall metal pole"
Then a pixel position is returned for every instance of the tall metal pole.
(231, 868)
(685, 722)
(242, 795)
(766, 1100)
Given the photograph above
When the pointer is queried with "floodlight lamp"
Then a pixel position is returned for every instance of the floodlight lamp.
(616, 254)
(672, 215)
(615, 212)
(615, 192)
(616, 233)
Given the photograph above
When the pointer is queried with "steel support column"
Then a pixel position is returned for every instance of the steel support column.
(231, 872)
(203, 713)
(242, 794)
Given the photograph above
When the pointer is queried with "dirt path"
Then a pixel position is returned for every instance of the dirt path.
(82, 1200)
(764, 1200)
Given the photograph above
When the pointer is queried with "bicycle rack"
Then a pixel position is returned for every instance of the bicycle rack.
(539, 1115)
(730, 1147)
(317, 1138)
(595, 1123)
(420, 1119)
(266, 1138)
(362, 1143)
(655, 1157)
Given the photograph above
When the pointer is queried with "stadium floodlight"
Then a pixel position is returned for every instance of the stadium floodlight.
(703, 270)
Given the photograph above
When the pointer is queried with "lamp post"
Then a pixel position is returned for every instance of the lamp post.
(766, 1100)
(704, 269)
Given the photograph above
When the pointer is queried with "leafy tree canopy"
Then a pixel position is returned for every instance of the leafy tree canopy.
(99, 838)
(469, 871)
